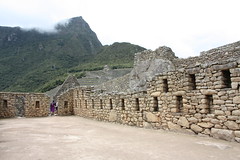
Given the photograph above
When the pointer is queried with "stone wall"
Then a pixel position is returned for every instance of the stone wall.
(69, 83)
(202, 101)
(23, 105)
(200, 96)
(109, 107)
(221, 55)
(65, 103)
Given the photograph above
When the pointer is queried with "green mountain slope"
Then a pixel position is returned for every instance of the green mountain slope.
(30, 58)
(117, 55)
(32, 61)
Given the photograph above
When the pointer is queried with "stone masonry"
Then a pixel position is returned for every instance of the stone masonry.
(198, 95)
(23, 105)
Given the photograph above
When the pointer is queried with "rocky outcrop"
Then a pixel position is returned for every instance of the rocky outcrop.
(149, 63)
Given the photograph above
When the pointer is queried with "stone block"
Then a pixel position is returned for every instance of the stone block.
(155, 94)
(206, 119)
(150, 117)
(231, 125)
(198, 115)
(233, 118)
(202, 106)
(218, 126)
(218, 102)
(179, 93)
(207, 131)
(219, 112)
(235, 79)
(225, 66)
(193, 120)
(215, 121)
(237, 134)
(222, 134)
(236, 113)
(237, 139)
(174, 110)
(147, 125)
(183, 122)
(236, 100)
(222, 118)
(235, 85)
(220, 86)
(221, 93)
(173, 126)
(206, 124)
(196, 128)
(112, 116)
(208, 91)
(204, 111)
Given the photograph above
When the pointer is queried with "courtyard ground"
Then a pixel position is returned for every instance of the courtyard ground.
(76, 138)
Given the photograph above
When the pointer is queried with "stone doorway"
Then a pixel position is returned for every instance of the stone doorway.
(19, 105)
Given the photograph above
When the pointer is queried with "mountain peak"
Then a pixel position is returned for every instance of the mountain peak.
(76, 24)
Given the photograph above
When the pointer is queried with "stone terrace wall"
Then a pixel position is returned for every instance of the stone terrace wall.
(23, 105)
(201, 96)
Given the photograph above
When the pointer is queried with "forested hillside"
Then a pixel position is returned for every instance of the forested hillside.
(32, 61)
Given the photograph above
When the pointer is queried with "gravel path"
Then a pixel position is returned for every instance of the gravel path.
(76, 138)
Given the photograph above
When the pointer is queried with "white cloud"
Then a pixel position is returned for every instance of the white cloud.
(187, 26)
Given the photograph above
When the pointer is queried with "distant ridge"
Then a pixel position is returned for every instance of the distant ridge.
(31, 61)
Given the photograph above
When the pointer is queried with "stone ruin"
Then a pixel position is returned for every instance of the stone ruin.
(23, 105)
(198, 95)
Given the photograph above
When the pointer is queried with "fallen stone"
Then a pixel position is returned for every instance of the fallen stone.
(222, 134)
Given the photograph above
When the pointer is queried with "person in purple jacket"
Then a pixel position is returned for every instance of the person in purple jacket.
(52, 107)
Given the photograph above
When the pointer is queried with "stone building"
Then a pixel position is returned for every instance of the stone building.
(198, 95)
(23, 105)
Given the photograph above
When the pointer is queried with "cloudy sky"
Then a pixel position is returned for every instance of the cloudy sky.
(186, 26)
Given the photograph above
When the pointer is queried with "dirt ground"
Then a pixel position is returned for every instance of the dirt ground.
(76, 138)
